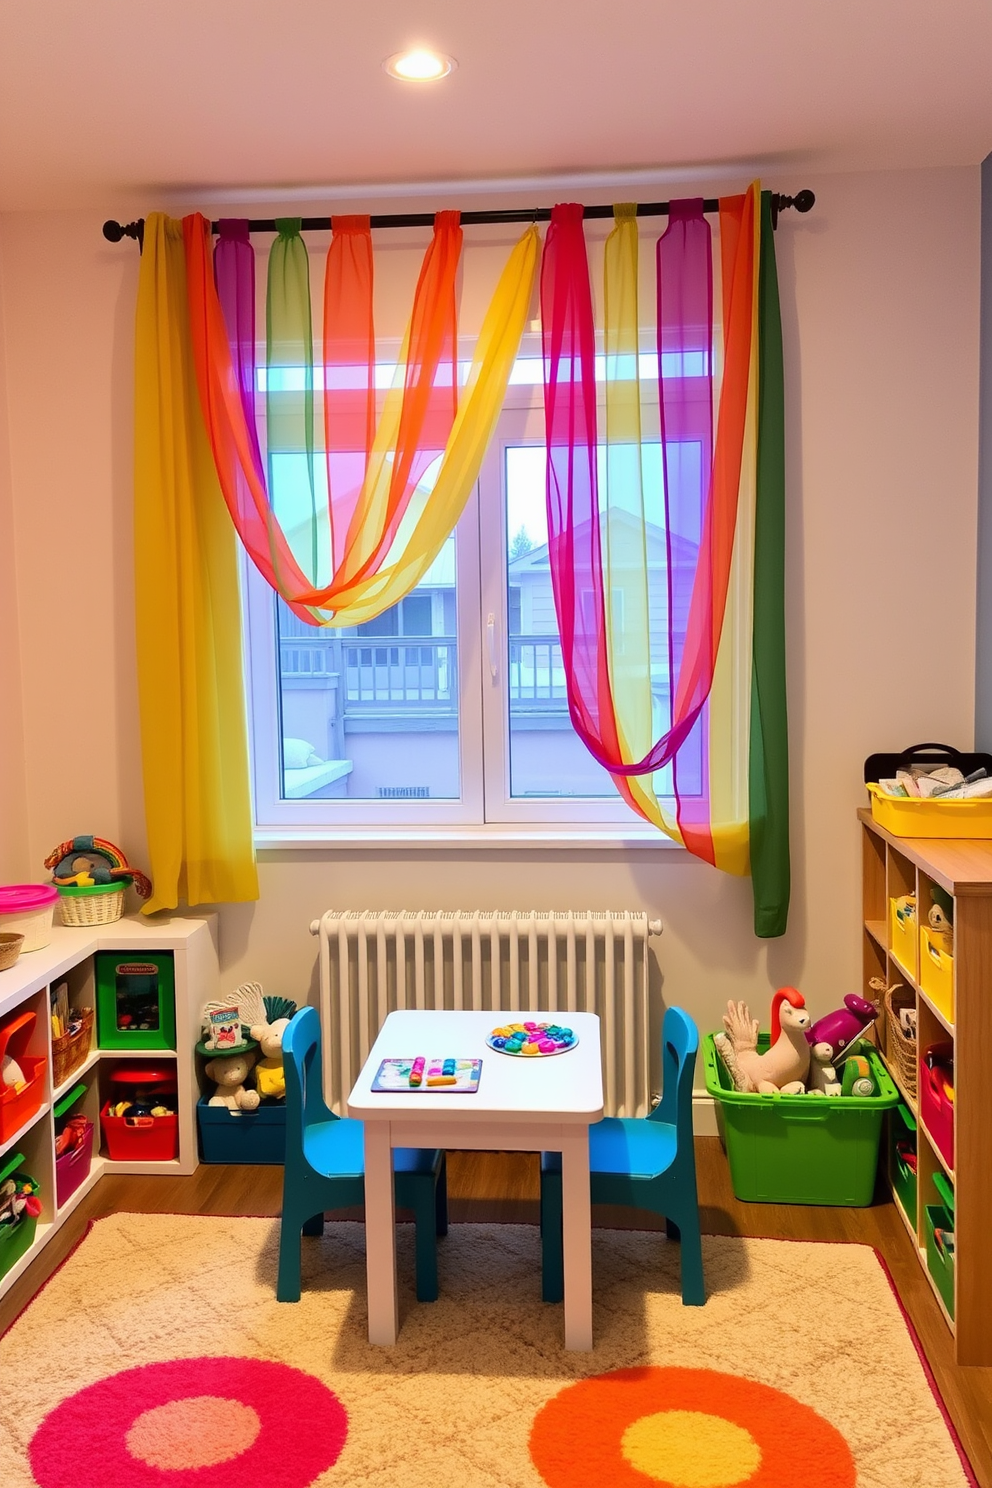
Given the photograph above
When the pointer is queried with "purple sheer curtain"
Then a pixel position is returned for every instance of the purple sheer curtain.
(684, 263)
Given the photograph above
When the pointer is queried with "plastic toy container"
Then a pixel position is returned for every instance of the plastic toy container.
(18, 1106)
(902, 1133)
(28, 909)
(135, 1001)
(940, 1259)
(72, 1168)
(906, 816)
(936, 1106)
(937, 973)
(17, 1238)
(251, 1137)
(138, 1136)
(902, 939)
(800, 1149)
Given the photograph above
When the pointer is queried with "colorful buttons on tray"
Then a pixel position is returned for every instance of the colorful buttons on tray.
(532, 1039)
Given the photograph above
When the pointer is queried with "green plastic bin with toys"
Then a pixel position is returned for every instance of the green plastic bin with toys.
(800, 1149)
(19, 1210)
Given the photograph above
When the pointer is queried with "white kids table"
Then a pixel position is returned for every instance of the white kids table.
(521, 1105)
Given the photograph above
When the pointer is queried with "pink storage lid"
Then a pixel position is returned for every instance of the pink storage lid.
(23, 898)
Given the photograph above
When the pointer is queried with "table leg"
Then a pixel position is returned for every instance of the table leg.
(380, 1234)
(577, 1237)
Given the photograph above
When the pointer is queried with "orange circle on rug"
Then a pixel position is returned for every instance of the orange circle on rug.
(199, 1431)
(638, 1426)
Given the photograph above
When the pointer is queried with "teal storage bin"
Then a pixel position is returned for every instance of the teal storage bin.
(902, 1129)
(251, 1137)
(940, 1263)
(800, 1149)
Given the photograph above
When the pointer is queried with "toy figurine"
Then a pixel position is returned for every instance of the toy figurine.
(843, 1026)
(785, 1066)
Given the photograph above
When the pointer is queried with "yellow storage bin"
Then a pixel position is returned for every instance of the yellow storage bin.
(937, 973)
(905, 816)
(902, 936)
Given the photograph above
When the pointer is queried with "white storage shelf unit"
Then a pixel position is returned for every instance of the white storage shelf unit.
(70, 958)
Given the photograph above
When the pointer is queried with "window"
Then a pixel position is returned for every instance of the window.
(450, 709)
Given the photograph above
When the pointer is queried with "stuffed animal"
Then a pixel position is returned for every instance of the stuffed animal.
(941, 919)
(269, 1018)
(229, 1074)
(93, 860)
(823, 1078)
(785, 1066)
(270, 1077)
(12, 1072)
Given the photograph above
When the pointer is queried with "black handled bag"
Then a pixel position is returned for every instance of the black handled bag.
(884, 766)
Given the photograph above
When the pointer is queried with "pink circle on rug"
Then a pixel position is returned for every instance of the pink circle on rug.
(197, 1432)
(303, 1426)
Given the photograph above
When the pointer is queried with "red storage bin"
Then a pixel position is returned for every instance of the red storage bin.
(18, 1106)
(142, 1139)
(937, 1097)
(138, 1136)
(71, 1168)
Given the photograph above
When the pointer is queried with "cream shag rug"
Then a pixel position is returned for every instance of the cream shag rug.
(759, 1387)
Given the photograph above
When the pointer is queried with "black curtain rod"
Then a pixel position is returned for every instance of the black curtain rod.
(802, 202)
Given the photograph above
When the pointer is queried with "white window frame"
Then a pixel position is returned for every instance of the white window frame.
(485, 811)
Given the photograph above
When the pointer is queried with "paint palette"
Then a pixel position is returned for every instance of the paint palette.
(438, 1076)
(532, 1040)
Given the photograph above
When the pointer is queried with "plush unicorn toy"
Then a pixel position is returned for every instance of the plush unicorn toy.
(785, 1065)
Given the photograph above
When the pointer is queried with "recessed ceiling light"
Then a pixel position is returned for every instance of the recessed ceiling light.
(419, 65)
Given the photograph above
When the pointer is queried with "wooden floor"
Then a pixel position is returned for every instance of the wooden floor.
(503, 1187)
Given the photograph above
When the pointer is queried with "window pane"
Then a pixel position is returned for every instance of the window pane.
(371, 712)
(547, 758)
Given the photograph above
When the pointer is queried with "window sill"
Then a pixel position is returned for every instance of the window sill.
(502, 837)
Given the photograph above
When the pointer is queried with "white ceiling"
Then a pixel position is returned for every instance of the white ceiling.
(108, 102)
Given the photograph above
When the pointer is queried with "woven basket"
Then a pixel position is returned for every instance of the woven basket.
(94, 904)
(10, 949)
(70, 1051)
(900, 1050)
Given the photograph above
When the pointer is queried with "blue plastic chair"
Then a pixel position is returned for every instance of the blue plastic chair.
(647, 1162)
(325, 1167)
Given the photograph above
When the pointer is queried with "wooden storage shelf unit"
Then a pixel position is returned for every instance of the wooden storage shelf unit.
(69, 958)
(893, 867)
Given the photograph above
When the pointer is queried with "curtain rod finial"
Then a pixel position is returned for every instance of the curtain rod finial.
(803, 201)
(115, 231)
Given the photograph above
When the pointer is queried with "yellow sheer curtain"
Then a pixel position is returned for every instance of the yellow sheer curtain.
(187, 611)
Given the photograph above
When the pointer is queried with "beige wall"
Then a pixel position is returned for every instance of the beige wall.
(880, 298)
(13, 811)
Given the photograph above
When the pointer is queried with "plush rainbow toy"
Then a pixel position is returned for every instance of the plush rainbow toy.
(93, 860)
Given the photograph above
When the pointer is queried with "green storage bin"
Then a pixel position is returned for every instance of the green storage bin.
(902, 1125)
(800, 1149)
(939, 1263)
(16, 1239)
(135, 1000)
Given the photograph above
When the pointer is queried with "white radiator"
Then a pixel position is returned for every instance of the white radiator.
(375, 961)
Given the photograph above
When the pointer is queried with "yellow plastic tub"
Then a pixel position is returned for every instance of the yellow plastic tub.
(937, 973)
(902, 940)
(905, 816)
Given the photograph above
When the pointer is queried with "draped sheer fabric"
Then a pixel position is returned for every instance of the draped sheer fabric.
(598, 547)
(375, 538)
